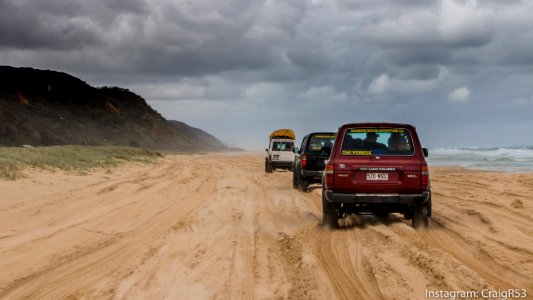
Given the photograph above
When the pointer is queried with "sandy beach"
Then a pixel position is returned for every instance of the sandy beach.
(215, 226)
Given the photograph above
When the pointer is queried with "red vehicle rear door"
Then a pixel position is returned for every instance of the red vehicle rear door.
(367, 160)
(379, 174)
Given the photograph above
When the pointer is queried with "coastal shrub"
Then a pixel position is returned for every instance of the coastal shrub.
(13, 160)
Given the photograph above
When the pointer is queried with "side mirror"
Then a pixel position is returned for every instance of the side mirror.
(426, 152)
(325, 151)
(296, 150)
(266, 150)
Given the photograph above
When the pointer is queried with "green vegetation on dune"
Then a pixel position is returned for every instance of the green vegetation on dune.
(70, 158)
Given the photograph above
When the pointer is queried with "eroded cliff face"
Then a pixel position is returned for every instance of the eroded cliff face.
(39, 108)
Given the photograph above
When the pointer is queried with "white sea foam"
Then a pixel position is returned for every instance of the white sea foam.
(513, 159)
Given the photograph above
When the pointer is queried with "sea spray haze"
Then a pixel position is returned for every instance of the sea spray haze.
(510, 159)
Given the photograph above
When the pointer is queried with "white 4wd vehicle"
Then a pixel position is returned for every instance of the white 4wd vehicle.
(280, 152)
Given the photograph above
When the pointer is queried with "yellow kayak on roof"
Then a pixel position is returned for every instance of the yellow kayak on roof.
(283, 133)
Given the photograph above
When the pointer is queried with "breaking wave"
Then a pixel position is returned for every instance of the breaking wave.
(511, 159)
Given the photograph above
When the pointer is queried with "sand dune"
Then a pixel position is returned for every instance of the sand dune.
(217, 227)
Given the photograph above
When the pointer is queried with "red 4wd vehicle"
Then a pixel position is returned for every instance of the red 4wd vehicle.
(377, 168)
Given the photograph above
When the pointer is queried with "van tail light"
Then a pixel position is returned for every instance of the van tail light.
(304, 161)
(330, 171)
(425, 177)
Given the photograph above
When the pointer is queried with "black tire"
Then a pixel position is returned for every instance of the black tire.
(430, 206)
(294, 181)
(381, 214)
(420, 218)
(330, 214)
(409, 214)
(421, 215)
(268, 167)
(302, 185)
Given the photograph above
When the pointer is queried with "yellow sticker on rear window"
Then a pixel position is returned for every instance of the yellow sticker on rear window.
(356, 152)
(363, 130)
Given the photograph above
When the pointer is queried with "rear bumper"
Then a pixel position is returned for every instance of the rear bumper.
(312, 174)
(359, 198)
(281, 164)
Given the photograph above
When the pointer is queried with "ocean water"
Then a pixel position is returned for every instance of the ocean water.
(508, 159)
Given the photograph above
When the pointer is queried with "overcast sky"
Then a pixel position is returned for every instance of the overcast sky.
(460, 71)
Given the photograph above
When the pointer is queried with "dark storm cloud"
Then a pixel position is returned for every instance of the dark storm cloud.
(62, 25)
(364, 5)
(204, 36)
(308, 58)
(140, 7)
(419, 55)
(54, 26)
(199, 37)
(306, 61)
(204, 60)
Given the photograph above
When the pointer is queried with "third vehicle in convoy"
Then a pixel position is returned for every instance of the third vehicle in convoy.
(280, 151)
(309, 162)
(377, 168)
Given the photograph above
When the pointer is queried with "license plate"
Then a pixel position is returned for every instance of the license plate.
(377, 176)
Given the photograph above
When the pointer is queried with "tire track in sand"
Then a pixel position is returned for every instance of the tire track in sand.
(217, 227)
(71, 278)
(464, 251)
(344, 269)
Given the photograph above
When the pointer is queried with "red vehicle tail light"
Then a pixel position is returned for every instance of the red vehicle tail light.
(304, 161)
(330, 171)
(425, 177)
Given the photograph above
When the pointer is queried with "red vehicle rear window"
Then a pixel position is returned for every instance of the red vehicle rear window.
(377, 141)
